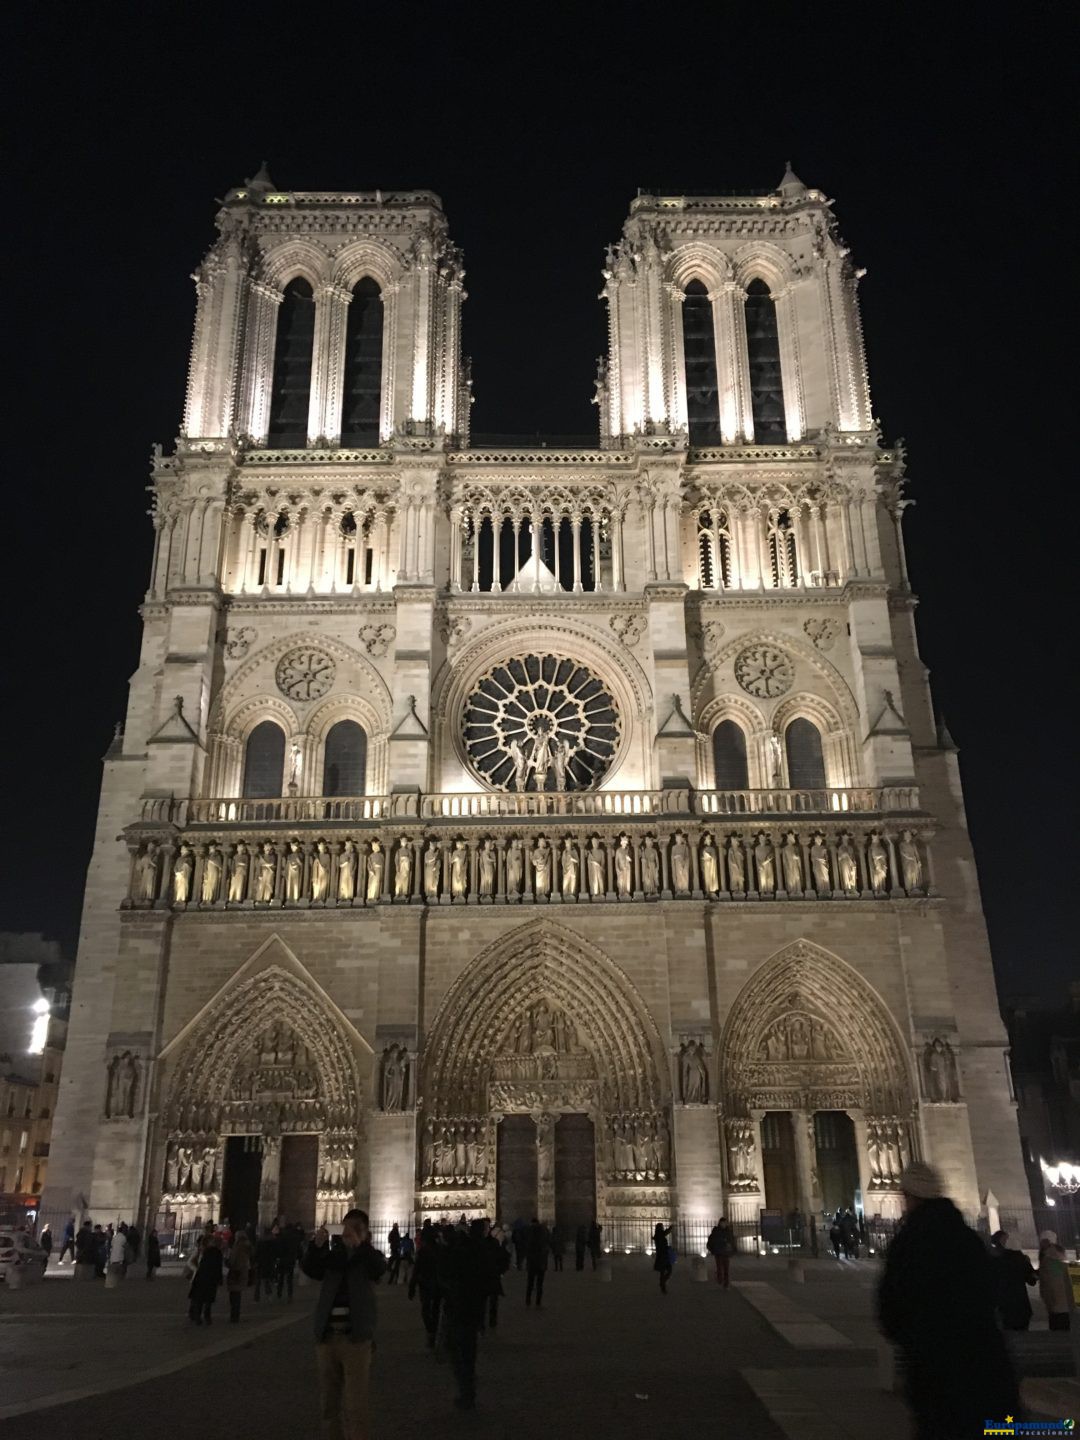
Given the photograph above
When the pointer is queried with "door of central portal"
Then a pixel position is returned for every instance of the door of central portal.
(299, 1175)
(243, 1180)
(516, 1173)
(575, 1171)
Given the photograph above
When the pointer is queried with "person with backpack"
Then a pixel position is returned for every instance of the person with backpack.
(721, 1246)
(662, 1262)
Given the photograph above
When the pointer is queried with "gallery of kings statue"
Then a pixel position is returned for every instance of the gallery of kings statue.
(555, 830)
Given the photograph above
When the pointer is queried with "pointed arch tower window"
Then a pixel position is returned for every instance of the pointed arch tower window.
(345, 759)
(361, 405)
(729, 756)
(264, 762)
(763, 357)
(699, 358)
(290, 388)
(805, 761)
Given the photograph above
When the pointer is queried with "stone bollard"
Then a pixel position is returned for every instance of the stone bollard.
(700, 1270)
(796, 1270)
(603, 1270)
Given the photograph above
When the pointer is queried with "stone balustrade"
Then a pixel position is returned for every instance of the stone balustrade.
(635, 856)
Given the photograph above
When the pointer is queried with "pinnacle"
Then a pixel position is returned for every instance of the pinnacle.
(791, 185)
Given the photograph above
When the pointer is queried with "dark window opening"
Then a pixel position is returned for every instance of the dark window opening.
(264, 762)
(345, 759)
(763, 356)
(369, 564)
(350, 566)
(290, 389)
(281, 567)
(699, 356)
(361, 401)
(262, 567)
(729, 756)
(806, 763)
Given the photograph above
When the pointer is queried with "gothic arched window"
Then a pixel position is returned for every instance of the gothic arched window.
(361, 403)
(699, 357)
(290, 389)
(729, 756)
(805, 761)
(714, 550)
(763, 355)
(264, 762)
(345, 759)
(783, 551)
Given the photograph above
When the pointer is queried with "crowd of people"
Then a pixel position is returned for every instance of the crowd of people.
(106, 1252)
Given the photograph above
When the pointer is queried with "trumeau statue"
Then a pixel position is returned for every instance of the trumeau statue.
(376, 868)
(320, 873)
(183, 868)
(238, 874)
(346, 875)
(403, 863)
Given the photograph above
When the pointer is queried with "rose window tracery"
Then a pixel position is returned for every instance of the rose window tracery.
(541, 722)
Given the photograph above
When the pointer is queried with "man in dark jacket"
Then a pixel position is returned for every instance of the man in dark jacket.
(466, 1278)
(425, 1278)
(345, 1324)
(1012, 1274)
(936, 1303)
(537, 1249)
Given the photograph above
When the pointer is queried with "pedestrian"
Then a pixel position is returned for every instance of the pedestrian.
(118, 1254)
(238, 1274)
(662, 1262)
(69, 1241)
(408, 1255)
(209, 1274)
(836, 1235)
(721, 1246)
(102, 1245)
(519, 1236)
(394, 1243)
(581, 1242)
(1054, 1281)
(86, 1244)
(465, 1278)
(1013, 1273)
(558, 1246)
(45, 1241)
(153, 1254)
(267, 1254)
(537, 1249)
(425, 1279)
(134, 1236)
(595, 1231)
(290, 1245)
(849, 1229)
(499, 1253)
(936, 1304)
(344, 1323)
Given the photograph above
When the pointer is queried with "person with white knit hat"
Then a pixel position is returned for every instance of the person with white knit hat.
(936, 1304)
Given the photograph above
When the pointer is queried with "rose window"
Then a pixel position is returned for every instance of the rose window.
(541, 722)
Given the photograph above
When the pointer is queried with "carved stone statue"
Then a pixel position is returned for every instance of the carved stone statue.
(459, 870)
(819, 865)
(680, 865)
(515, 867)
(710, 867)
(238, 874)
(792, 860)
(765, 865)
(146, 873)
(568, 861)
(346, 875)
(403, 863)
(545, 1149)
(210, 888)
(395, 1066)
(847, 867)
(560, 760)
(320, 873)
(940, 1073)
(910, 862)
(693, 1074)
(879, 865)
(520, 762)
(624, 868)
(432, 870)
(376, 869)
(650, 867)
(294, 872)
(736, 866)
(486, 861)
(594, 867)
(183, 868)
(541, 863)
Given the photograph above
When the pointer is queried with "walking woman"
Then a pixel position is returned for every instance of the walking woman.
(662, 1263)
(204, 1287)
(238, 1274)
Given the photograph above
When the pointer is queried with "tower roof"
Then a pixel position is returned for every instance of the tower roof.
(791, 187)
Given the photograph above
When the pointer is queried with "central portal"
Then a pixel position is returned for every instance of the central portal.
(575, 1171)
(517, 1172)
(299, 1176)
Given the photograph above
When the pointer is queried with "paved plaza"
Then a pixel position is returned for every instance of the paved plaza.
(768, 1359)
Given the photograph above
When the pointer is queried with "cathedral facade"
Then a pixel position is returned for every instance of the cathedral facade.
(505, 830)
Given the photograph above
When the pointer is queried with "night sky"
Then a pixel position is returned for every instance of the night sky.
(944, 147)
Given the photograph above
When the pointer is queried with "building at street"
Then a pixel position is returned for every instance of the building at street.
(558, 830)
